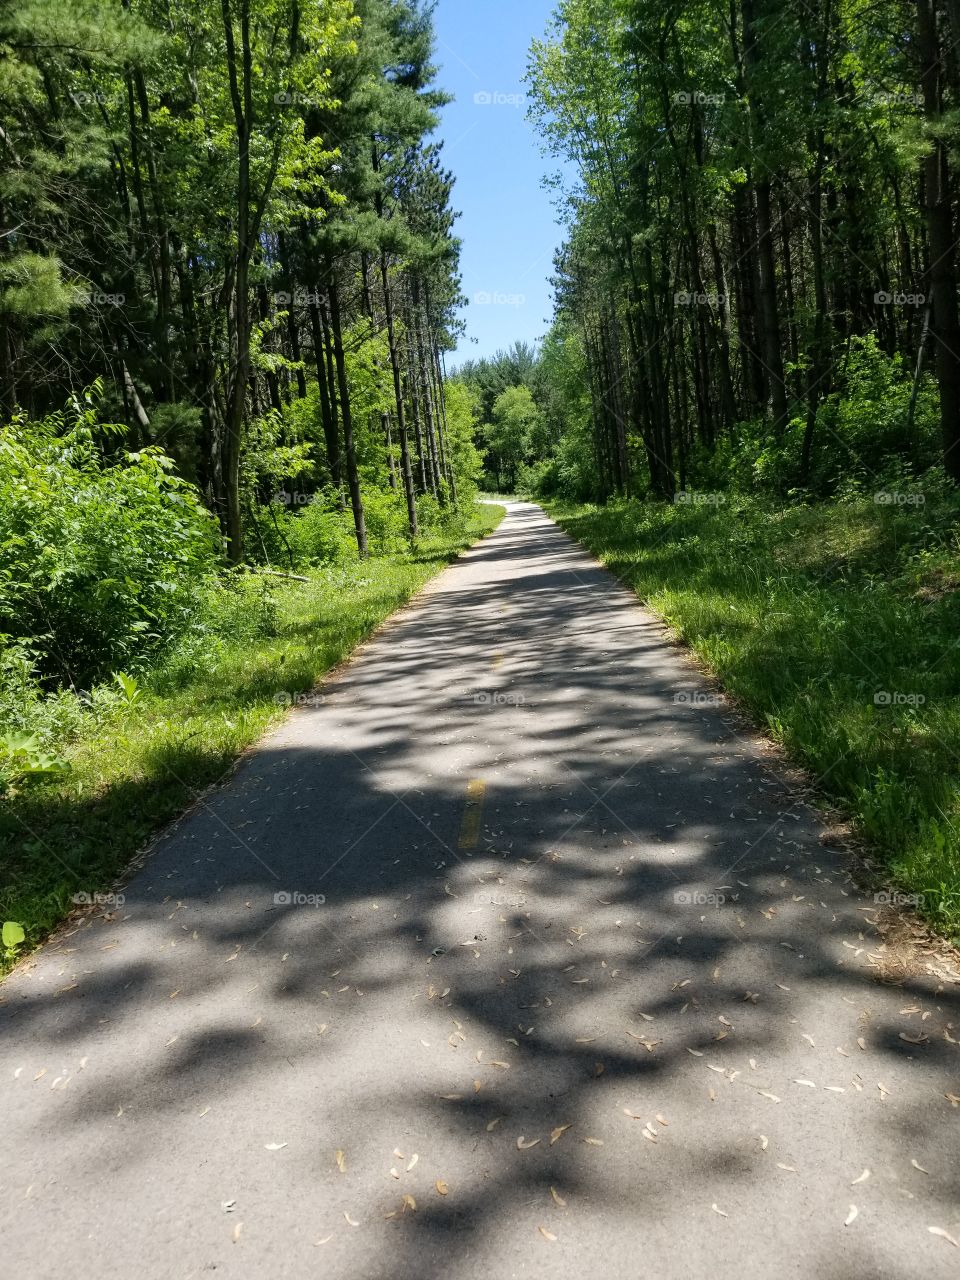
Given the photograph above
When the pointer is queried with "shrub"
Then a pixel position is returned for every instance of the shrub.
(430, 515)
(539, 479)
(386, 516)
(100, 557)
(872, 414)
(864, 439)
(320, 532)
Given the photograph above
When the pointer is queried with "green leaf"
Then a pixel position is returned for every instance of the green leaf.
(13, 934)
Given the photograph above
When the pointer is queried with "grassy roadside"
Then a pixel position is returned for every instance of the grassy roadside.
(134, 764)
(838, 627)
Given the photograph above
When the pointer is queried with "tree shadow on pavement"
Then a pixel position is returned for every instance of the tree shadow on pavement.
(631, 1007)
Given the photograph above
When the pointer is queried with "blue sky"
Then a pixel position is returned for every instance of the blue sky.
(508, 223)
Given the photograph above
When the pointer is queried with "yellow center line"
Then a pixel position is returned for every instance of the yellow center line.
(472, 814)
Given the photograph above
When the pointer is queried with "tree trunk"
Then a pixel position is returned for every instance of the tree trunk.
(346, 418)
(939, 215)
(405, 468)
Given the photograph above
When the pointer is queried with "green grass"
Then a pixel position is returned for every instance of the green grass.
(138, 764)
(837, 627)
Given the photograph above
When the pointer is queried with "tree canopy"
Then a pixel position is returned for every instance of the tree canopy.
(761, 231)
(230, 216)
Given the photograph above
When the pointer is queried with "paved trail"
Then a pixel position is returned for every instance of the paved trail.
(562, 908)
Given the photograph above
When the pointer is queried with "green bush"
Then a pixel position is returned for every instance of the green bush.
(237, 609)
(540, 479)
(320, 532)
(864, 440)
(100, 556)
(54, 717)
(430, 514)
(871, 420)
(386, 516)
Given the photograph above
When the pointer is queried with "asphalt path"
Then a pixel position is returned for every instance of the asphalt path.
(512, 954)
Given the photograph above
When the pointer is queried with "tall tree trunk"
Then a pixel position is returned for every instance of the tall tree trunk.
(405, 469)
(940, 222)
(328, 409)
(346, 418)
(412, 387)
(771, 344)
(820, 354)
(238, 319)
(388, 441)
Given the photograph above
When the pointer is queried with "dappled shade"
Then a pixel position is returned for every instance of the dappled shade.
(642, 1013)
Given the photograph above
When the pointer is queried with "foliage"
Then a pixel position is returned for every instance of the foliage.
(512, 436)
(12, 938)
(321, 534)
(489, 378)
(102, 553)
(231, 213)
(463, 415)
(22, 756)
(874, 433)
(760, 260)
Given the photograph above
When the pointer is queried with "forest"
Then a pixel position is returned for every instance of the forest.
(230, 218)
(228, 282)
(758, 282)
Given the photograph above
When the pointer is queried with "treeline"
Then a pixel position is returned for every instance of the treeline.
(759, 279)
(229, 215)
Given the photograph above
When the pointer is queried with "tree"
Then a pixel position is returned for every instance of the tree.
(231, 213)
(513, 436)
(759, 186)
